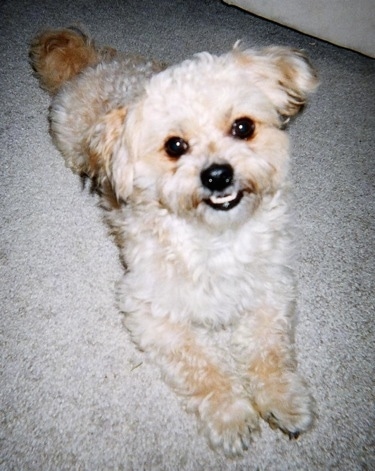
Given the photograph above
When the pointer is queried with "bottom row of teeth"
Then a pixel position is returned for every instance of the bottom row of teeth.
(223, 199)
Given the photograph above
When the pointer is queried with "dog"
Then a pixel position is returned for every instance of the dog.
(191, 165)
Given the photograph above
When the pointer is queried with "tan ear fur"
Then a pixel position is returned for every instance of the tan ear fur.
(104, 143)
(284, 74)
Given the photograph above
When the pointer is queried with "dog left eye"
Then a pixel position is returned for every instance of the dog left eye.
(176, 146)
(243, 128)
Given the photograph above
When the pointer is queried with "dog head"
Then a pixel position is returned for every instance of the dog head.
(206, 139)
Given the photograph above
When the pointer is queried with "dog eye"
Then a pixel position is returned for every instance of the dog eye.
(243, 128)
(175, 147)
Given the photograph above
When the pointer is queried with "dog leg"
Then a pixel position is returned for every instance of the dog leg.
(226, 414)
(279, 394)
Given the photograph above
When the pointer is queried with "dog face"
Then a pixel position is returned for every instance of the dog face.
(205, 139)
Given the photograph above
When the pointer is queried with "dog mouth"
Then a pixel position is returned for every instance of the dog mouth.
(224, 202)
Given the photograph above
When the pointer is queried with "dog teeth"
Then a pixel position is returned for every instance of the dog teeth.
(223, 199)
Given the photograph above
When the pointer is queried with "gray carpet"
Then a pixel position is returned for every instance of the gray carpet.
(75, 393)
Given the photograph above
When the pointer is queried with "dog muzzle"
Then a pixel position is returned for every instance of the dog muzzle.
(218, 178)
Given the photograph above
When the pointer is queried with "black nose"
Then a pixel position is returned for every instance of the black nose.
(217, 177)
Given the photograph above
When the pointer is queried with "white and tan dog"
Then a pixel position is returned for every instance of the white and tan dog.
(191, 164)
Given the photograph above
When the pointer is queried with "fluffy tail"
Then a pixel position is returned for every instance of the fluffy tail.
(58, 55)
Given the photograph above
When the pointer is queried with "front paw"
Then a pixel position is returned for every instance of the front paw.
(285, 403)
(228, 422)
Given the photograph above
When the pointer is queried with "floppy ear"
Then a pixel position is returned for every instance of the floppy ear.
(284, 74)
(108, 157)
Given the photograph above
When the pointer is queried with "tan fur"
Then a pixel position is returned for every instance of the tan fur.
(208, 292)
(101, 143)
(59, 55)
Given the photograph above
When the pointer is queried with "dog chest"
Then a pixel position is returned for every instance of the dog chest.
(183, 273)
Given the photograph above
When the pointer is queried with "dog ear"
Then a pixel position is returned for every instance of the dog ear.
(108, 157)
(284, 74)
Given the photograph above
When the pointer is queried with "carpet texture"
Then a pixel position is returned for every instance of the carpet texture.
(75, 392)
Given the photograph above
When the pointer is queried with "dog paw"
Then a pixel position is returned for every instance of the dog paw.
(287, 405)
(229, 423)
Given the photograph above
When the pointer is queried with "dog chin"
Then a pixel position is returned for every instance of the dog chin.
(221, 213)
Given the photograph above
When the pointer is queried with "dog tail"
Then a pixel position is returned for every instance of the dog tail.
(60, 54)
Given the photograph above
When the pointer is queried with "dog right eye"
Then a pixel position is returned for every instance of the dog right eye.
(243, 128)
(175, 147)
